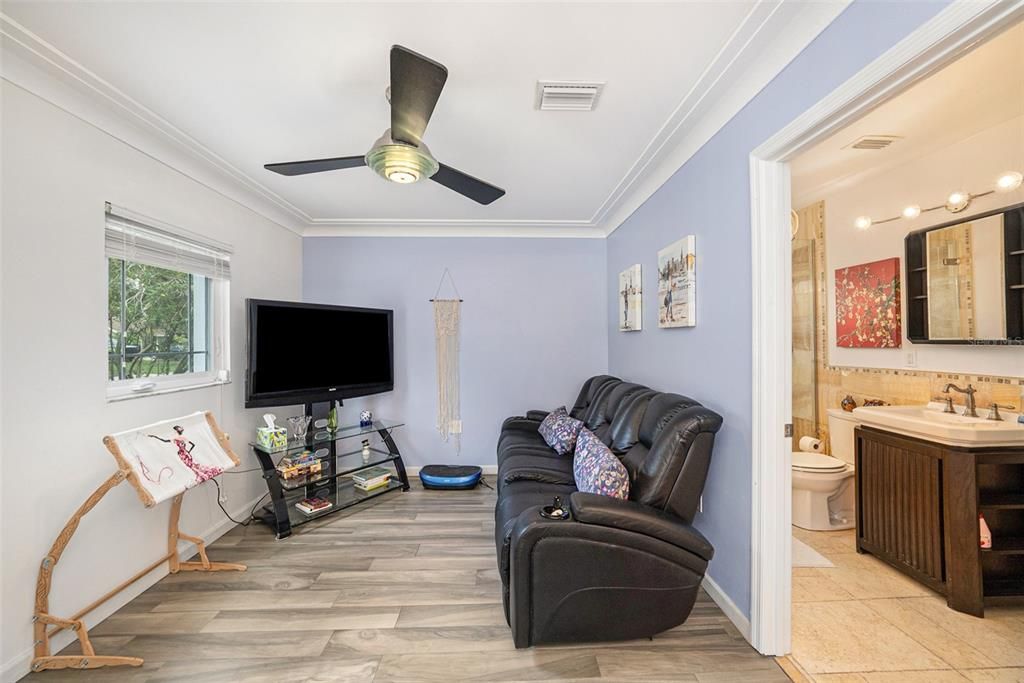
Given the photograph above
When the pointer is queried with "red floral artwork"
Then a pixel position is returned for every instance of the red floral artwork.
(868, 305)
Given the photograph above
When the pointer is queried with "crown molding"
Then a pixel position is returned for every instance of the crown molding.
(452, 228)
(772, 35)
(769, 37)
(32, 64)
(441, 227)
(671, 131)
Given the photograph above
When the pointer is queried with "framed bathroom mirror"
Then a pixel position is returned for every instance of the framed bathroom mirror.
(965, 280)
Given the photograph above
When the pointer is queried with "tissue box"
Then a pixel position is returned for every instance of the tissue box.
(272, 439)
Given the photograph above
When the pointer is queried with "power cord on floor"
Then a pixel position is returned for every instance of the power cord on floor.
(252, 513)
(485, 484)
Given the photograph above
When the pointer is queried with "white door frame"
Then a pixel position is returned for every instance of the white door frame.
(954, 30)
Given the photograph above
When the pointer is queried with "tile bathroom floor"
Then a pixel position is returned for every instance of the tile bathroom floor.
(862, 621)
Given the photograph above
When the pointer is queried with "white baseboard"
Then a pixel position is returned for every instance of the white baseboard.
(21, 664)
(725, 603)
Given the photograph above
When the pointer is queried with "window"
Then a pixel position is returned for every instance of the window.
(167, 294)
(158, 322)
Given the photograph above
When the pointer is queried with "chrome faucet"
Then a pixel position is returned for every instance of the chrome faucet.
(970, 409)
(993, 412)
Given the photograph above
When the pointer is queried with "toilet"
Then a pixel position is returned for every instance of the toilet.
(823, 485)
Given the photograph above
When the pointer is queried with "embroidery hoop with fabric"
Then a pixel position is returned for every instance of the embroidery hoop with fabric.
(202, 451)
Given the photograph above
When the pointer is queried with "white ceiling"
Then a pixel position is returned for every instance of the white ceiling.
(244, 84)
(983, 88)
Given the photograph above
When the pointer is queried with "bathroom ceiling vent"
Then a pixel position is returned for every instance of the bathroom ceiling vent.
(873, 142)
(568, 95)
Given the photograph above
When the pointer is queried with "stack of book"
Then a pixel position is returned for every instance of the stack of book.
(371, 478)
(311, 506)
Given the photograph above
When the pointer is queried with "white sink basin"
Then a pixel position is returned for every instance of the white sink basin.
(929, 422)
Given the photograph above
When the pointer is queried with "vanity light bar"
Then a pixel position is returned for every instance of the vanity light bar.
(957, 201)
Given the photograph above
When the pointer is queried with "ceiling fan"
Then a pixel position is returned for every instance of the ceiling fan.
(400, 154)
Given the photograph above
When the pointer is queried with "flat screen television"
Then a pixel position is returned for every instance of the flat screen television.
(310, 353)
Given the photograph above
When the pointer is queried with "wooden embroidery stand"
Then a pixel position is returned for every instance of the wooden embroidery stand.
(43, 620)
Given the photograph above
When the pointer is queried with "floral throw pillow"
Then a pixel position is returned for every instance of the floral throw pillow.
(597, 470)
(560, 431)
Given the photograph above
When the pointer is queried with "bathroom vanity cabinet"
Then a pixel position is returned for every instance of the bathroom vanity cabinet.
(917, 509)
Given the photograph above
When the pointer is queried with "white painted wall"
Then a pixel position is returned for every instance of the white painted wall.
(58, 171)
(971, 165)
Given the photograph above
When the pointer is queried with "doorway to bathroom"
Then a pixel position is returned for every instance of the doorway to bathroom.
(801, 380)
(889, 273)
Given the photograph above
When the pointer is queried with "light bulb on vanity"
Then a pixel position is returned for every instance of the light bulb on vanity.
(1009, 181)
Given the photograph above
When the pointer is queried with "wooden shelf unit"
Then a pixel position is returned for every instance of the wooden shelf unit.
(917, 286)
(1001, 500)
(1013, 243)
(918, 504)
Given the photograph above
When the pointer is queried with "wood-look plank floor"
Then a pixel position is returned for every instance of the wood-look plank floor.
(402, 589)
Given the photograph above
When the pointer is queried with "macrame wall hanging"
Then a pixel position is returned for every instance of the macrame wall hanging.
(446, 335)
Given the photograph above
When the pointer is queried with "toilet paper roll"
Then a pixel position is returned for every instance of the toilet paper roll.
(808, 444)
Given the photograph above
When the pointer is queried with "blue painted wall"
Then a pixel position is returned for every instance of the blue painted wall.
(540, 314)
(533, 326)
(709, 197)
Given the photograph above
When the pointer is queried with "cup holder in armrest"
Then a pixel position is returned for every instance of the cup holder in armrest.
(556, 510)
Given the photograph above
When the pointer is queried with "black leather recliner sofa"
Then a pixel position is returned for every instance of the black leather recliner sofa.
(614, 569)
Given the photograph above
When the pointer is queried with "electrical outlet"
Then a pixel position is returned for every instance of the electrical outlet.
(456, 426)
(910, 359)
(222, 495)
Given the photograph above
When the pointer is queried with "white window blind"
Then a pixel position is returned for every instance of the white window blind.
(137, 238)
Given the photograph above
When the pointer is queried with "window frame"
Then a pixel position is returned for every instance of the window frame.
(218, 365)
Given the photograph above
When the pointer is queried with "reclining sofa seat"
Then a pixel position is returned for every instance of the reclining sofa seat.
(531, 479)
(638, 559)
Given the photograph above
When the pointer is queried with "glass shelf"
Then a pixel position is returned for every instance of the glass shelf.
(340, 455)
(320, 437)
(346, 496)
(345, 463)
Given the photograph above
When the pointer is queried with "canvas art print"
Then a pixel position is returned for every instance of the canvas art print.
(677, 283)
(868, 305)
(630, 309)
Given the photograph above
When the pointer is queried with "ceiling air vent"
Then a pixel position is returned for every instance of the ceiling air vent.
(873, 142)
(567, 95)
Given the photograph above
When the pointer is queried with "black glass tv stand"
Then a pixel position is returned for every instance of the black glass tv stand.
(341, 455)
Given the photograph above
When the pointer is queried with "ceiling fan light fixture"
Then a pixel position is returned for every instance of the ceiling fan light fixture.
(399, 162)
(400, 156)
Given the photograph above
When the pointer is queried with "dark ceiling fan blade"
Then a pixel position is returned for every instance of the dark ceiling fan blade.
(416, 83)
(467, 185)
(315, 165)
